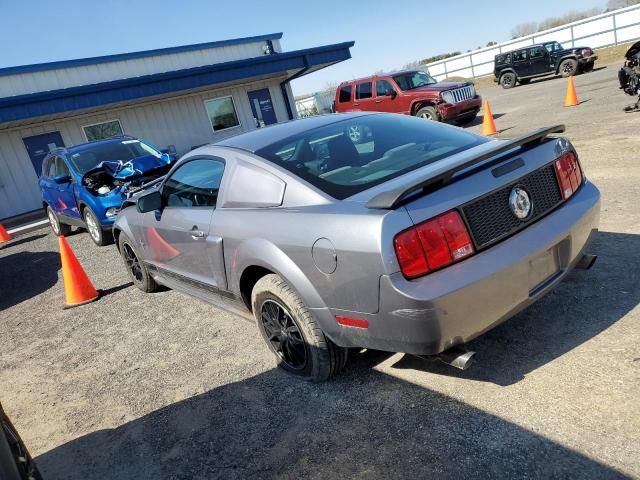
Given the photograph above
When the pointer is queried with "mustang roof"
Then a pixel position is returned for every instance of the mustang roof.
(263, 137)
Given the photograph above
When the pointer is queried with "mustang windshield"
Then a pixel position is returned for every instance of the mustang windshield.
(124, 150)
(352, 155)
(409, 81)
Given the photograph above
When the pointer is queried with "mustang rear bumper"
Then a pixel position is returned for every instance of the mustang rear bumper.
(450, 307)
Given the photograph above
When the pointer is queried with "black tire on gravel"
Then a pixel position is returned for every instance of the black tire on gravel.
(568, 67)
(57, 227)
(139, 276)
(322, 358)
(508, 80)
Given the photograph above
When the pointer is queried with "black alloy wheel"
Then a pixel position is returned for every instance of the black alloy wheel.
(283, 335)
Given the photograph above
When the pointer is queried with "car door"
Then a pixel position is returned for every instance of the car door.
(385, 96)
(364, 96)
(179, 241)
(64, 185)
(538, 60)
(521, 62)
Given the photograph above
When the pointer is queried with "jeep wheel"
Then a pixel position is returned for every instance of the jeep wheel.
(57, 227)
(508, 80)
(428, 113)
(292, 333)
(568, 67)
(135, 267)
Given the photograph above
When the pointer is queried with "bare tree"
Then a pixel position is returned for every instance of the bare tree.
(524, 29)
(616, 4)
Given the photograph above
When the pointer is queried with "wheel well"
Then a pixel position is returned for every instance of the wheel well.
(421, 103)
(116, 237)
(248, 279)
(509, 70)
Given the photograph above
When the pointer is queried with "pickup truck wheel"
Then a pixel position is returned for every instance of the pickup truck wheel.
(508, 80)
(57, 227)
(292, 333)
(568, 67)
(135, 267)
(428, 113)
(94, 228)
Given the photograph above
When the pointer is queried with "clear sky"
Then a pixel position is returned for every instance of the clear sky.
(388, 34)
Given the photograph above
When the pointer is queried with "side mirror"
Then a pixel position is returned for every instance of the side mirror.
(392, 93)
(149, 202)
(62, 179)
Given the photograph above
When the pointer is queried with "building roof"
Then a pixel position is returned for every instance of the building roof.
(52, 102)
(40, 67)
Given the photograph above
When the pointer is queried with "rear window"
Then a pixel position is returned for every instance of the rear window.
(355, 154)
(345, 94)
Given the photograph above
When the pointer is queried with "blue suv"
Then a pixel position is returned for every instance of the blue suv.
(85, 185)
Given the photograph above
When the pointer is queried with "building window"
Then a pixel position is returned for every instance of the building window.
(102, 130)
(222, 113)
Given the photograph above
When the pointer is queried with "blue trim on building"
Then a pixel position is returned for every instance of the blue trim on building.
(31, 105)
(40, 67)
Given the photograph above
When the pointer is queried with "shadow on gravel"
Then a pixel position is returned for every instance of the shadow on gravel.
(26, 274)
(365, 424)
(586, 303)
(478, 120)
(21, 240)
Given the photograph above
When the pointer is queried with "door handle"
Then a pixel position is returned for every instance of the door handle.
(378, 101)
(196, 234)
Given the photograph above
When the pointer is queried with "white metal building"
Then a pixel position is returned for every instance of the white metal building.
(179, 97)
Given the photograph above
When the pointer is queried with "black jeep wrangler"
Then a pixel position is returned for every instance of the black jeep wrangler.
(548, 58)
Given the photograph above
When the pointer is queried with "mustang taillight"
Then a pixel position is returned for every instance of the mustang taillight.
(433, 244)
(568, 173)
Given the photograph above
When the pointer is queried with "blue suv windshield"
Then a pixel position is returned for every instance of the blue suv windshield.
(124, 151)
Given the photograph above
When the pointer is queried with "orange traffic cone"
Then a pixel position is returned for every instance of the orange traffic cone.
(571, 98)
(488, 125)
(78, 289)
(4, 235)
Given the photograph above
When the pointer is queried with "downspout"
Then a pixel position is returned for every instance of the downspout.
(283, 85)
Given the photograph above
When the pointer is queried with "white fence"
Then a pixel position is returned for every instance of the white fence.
(611, 28)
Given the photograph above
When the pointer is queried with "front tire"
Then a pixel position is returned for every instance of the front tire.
(508, 80)
(135, 267)
(292, 333)
(58, 229)
(568, 67)
(99, 236)
(428, 113)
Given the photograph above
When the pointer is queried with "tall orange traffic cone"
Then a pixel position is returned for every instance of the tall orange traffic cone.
(571, 98)
(488, 125)
(4, 235)
(78, 289)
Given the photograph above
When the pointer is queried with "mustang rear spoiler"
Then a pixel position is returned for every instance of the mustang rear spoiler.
(391, 198)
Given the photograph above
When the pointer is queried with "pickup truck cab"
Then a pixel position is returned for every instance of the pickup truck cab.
(411, 92)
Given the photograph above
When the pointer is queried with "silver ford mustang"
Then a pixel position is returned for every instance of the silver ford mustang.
(416, 238)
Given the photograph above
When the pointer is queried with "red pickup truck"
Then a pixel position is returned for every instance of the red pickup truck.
(411, 92)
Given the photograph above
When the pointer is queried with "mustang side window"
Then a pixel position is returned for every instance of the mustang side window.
(194, 184)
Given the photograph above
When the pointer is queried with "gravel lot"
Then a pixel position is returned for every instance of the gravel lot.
(165, 386)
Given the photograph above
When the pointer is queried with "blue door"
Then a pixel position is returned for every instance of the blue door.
(262, 107)
(39, 146)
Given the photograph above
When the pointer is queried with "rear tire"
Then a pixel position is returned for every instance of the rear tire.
(508, 80)
(135, 267)
(292, 334)
(568, 67)
(58, 229)
(428, 113)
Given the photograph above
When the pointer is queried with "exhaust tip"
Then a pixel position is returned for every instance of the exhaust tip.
(457, 357)
(586, 262)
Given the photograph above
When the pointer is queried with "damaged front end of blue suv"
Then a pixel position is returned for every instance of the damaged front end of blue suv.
(85, 185)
